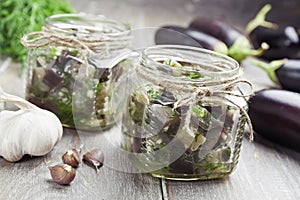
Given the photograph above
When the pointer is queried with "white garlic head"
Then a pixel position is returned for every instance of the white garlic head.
(29, 130)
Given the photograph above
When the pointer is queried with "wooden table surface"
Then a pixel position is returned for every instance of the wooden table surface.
(265, 170)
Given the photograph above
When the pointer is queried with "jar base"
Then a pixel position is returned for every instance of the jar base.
(87, 128)
(191, 177)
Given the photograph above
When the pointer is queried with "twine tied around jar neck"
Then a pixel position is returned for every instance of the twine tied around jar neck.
(199, 92)
(86, 46)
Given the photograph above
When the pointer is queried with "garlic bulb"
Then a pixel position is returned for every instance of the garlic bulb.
(29, 130)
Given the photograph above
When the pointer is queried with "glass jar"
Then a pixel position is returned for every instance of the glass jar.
(2, 104)
(184, 114)
(67, 71)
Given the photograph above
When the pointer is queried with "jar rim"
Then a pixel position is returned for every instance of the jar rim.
(196, 55)
(87, 25)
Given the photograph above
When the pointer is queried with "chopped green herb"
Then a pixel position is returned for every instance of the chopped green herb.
(153, 93)
(53, 52)
(200, 111)
(194, 75)
(212, 166)
(171, 62)
(75, 52)
(98, 88)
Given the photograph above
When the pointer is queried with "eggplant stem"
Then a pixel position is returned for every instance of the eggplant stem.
(270, 68)
(260, 20)
(242, 48)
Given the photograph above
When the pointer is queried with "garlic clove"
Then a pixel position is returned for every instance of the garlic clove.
(72, 157)
(95, 158)
(62, 174)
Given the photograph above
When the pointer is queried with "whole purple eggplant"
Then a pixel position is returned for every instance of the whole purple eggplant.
(190, 37)
(174, 35)
(239, 46)
(238, 43)
(217, 29)
(275, 38)
(292, 52)
(275, 114)
(282, 43)
(286, 72)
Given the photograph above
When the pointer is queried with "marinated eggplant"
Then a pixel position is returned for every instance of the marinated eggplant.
(155, 121)
(51, 86)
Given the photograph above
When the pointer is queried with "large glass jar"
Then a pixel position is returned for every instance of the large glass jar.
(67, 71)
(184, 114)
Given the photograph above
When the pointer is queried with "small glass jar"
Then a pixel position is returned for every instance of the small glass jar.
(67, 72)
(180, 120)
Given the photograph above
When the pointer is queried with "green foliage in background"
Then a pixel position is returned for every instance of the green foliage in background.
(18, 17)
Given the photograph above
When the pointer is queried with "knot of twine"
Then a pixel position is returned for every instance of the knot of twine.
(197, 93)
(86, 46)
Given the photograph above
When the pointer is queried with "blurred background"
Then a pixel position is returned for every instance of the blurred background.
(158, 12)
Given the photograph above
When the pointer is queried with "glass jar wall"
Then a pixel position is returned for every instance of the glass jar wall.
(182, 119)
(67, 72)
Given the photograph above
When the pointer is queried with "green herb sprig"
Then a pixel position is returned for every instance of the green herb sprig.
(19, 17)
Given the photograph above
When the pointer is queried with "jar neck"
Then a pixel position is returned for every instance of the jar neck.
(189, 65)
(97, 32)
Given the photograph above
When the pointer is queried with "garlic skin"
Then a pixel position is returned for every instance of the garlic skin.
(62, 174)
(94, 158)
(72, 157)
(30, 130)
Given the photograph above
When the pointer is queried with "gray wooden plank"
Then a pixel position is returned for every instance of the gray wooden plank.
(30, 179)
(265, 171)
(11, 79)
